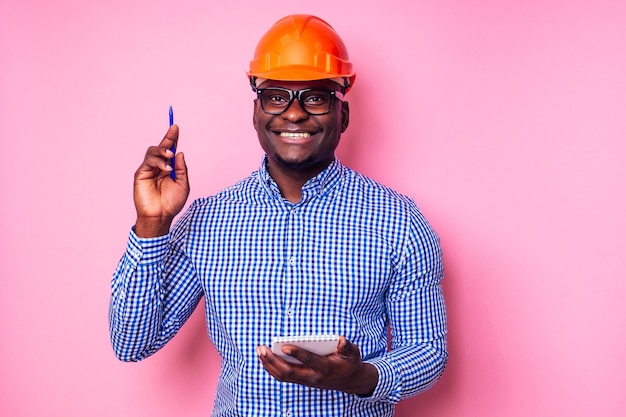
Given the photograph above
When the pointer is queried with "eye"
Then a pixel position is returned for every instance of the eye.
(316, 98)
(275, 97)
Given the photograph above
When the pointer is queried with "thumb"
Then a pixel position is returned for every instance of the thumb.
(344, 347)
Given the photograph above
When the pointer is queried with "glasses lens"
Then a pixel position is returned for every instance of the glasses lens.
(276, 101)
(316, 101)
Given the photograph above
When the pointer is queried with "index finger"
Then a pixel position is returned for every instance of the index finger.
(171, 137)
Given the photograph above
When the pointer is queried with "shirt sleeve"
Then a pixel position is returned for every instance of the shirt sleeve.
(154, 290)
(417, 317)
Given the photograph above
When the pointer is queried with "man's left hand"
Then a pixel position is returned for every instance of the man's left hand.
(342, 370)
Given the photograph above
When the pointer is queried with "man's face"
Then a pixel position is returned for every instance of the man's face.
(296, 140)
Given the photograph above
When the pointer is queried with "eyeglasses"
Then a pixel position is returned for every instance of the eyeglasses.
(314, 101)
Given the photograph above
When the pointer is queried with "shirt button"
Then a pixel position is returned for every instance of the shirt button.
(292, 261)
(289, 312)
(287, 413)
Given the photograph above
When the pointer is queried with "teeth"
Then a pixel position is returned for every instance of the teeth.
(294, 135)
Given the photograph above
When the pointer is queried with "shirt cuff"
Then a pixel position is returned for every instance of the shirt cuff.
(384, 390)
(142, 250)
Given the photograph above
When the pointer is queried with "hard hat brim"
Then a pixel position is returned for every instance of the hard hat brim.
(301, 74)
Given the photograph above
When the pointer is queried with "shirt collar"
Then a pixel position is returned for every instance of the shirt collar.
(320, 184)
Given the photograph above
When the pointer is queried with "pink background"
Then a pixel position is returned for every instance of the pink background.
(504, 120)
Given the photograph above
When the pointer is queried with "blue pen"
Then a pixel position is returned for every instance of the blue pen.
(173, 148)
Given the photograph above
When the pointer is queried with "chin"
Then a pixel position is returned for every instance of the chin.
(295, 162)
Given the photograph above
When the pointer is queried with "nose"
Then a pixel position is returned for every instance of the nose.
(295, 112)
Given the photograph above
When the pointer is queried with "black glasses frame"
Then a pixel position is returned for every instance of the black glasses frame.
(293, 94)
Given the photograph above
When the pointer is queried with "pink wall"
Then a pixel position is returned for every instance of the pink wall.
(505, 122)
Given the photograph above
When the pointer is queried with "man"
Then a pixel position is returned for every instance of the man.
(302, 247)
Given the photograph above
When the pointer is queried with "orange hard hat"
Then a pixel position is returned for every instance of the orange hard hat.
(301, 48)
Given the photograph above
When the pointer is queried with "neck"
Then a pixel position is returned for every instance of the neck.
(291, 180)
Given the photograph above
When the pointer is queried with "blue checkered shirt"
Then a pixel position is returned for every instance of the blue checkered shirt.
(352, 258)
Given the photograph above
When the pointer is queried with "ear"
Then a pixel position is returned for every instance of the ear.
(345, 116)
(254, 112)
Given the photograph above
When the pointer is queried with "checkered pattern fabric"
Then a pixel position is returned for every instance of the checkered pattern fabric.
(352, 258)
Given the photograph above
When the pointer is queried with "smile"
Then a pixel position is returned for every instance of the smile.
(295, 135)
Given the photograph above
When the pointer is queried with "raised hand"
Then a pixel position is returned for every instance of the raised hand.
(342, 370)
(159, 198)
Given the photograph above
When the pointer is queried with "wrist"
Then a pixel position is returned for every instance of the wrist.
(368, 377)
(146, 227)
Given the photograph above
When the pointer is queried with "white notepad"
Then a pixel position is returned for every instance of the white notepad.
(319, 344)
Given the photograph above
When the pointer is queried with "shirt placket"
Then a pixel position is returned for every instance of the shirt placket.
(292, 288)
